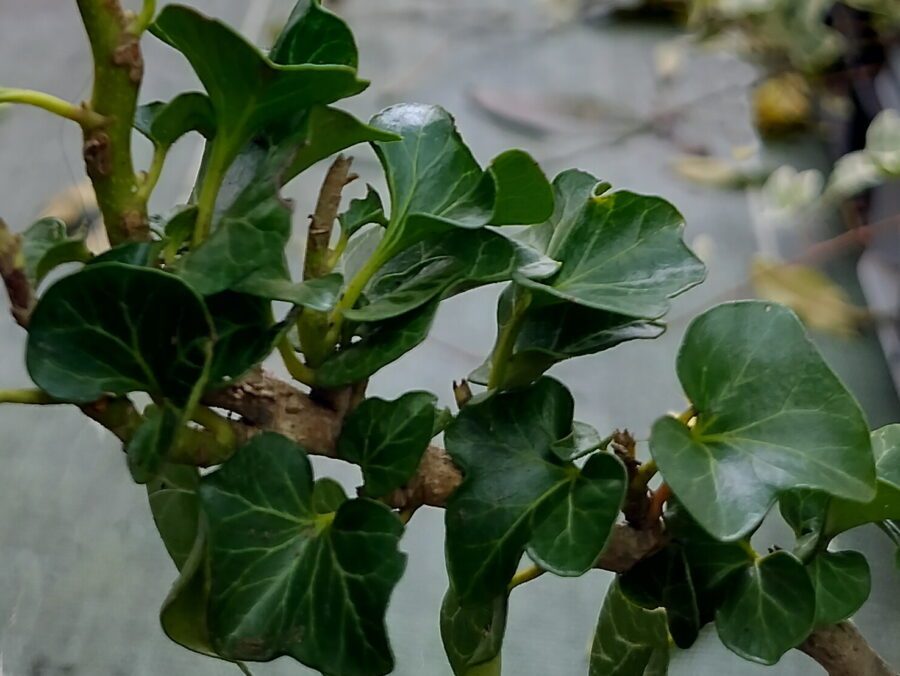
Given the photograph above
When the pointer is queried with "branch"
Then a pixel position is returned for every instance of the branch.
(12, 270)
(118, 71)
(843, 651)
(317, 261)
(269, 404)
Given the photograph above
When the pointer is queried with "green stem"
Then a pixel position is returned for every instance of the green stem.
(353, 291)
(219, 426)
(153, 173)
(118, 71)
(27, 396)
(527, 575)
(335, 254)
(644, 473)
(144, 18)
(88, 119)
(209, 191)
(298, 370)
(506, 340)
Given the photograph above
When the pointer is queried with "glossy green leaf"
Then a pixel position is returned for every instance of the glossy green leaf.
(629, 640)
(176, 509)
(387, 439)
(286, 580)
(516, 492)
(115, 329)
(768, 609)
(46, 244)
(249, 93)
(244, 332)
(842, 583)
(165, 123)
(771, 416)
(436, 184)
(361, 212)
(379, 345)
(845, 514)
(328, 496)
(472, 634)
(454, 261)
(664, 581)
(314, 35)
(620, 252)
(804, 511)
(151, 442)
(583, 440)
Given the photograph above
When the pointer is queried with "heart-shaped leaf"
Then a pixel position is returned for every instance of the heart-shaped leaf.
(387, 439)
(472, 634)
(378, 346)
(629, 640)
(842, 583)
(46, 244)
(768, 609)
(620, 252)
(165, 123)
(287, 580)
(436, 184)
(771, 415)
(516, 492)
(664, 581)
(114, 329)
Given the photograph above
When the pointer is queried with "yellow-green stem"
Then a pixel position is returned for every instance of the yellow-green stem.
(144, 18)
(353, 291)
(88, 119)
(506, 340)
(153, 173)
(219, 426)
(527, 575)
(298, 370)
(26, 396)
(645, 472)
(209, 191)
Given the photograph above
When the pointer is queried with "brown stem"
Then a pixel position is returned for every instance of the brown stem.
(843, 651)
(12, 270)
(118, 71)
(317, 261)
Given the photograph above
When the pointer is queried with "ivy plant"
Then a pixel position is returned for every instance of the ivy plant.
(161, 339)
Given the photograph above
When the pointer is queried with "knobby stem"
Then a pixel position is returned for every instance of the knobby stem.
(88, 119)
(27, 396)
(506, 340)
(527, 575)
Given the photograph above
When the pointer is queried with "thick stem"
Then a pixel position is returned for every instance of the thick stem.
(843, 651)
(118, 71)
(318, 257)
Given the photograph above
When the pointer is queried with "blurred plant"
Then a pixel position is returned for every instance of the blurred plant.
(274, 562)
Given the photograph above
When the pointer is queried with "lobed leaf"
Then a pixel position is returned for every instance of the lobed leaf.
(46, 244)
(165, 123)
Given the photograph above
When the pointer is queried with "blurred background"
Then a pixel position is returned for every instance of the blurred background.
(740, 112)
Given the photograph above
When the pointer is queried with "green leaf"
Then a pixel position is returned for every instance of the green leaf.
(629, 640)
(362, 211)
(176, 510)
(620, 252)
(151, 442)
(249, 93)
(286, 580)
(244, 331)
(165, 123)
(436, 184)
(768, 609)
(115, 329)
(664, 581)
(516, 492)
(842, 583)
(441, 266)
(472, 634)
(328, 496)
(379, 345)
(183, 615)
(771, 415)
(804, 511)
(46, 244)
(846, 514)
(387, 439)
(314, 35)
(584, 439)
(141, 254)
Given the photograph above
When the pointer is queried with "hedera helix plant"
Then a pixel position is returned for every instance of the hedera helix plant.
(273, 561)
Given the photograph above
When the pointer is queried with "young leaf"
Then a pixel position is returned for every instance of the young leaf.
(842, 583)
(516, 492)
(771, 415)
(629, 640)
(620, 252)
(286, 580)
(804, 511)
(387, 439)
(165, 123)
(472, 634)
(46, 244)
(151, 441)
(436, 184)
(584, 439)
(314, 35)
(379, 345)
(769, 609)
(362, 211)
(114, 329)
(664, 581)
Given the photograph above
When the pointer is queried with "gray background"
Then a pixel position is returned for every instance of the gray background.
(81, 569)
